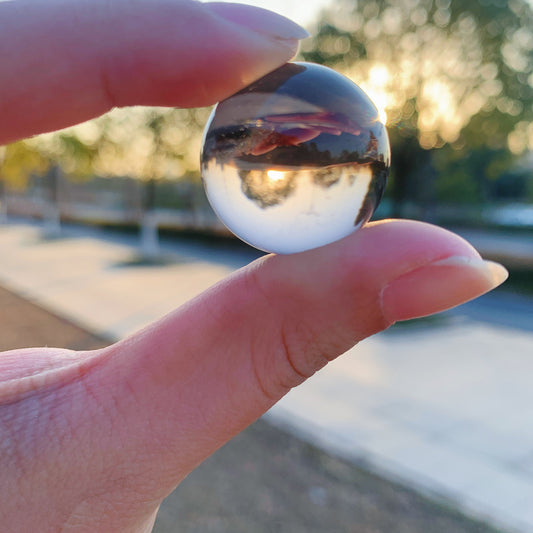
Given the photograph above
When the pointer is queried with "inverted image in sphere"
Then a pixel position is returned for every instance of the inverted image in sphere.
(296, 160)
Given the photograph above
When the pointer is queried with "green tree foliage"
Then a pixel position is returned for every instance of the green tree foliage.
(454, 78)
(144, 143)
(19, 160)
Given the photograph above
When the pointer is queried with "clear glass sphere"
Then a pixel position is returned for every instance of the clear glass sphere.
(296, 160)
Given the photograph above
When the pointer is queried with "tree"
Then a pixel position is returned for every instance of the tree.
(17, 162)
(452, 76)
(142, 143)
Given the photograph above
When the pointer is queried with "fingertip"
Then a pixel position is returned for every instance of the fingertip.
(438, 286)
(73, 61)
(388, 271)
(259, 20)
(195, 54)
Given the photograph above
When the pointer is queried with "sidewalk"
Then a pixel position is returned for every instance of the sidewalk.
(447, 409)
(512, 249)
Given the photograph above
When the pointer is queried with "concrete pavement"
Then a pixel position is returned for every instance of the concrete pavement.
(447, 408)
(509, 248)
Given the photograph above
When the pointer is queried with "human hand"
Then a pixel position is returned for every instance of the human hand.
(93, 441)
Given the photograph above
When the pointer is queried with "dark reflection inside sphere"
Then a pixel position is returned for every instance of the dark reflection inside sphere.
(296, 160)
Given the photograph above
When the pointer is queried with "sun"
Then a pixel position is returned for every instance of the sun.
(275, 175)
(376, 86)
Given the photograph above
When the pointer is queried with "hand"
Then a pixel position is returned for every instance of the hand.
(93, 441)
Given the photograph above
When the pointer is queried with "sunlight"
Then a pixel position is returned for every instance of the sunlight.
(438, 95)
(275, 175)
(376, 87)
(380, 99)
(378, 75)
(438, 113)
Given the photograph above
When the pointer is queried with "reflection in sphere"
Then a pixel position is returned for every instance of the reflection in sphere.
(296, 160)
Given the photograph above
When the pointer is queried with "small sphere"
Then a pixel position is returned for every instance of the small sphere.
(296, 160)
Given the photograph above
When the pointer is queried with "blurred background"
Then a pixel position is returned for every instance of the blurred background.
(444, 405)
(453, 80)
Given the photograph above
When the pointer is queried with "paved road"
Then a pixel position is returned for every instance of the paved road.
(500, 308)
(510, 248)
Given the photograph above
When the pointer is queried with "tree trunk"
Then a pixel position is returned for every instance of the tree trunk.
(150, 248)
(3, 202)
(51, 214)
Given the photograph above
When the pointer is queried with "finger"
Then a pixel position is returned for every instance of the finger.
(119, 428)
(64, 62)
(205, 372)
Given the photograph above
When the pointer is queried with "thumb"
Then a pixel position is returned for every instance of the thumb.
(119, 428)
(208, 370)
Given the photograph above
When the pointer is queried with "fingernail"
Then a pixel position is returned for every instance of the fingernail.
(439, 285)
(259, 20)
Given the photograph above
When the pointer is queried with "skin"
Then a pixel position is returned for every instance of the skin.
(93, 441)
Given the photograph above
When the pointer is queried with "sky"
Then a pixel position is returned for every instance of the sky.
(293, 9)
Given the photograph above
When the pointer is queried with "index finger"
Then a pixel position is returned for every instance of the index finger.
(64, 62)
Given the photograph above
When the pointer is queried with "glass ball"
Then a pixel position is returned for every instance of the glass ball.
(296, 160)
